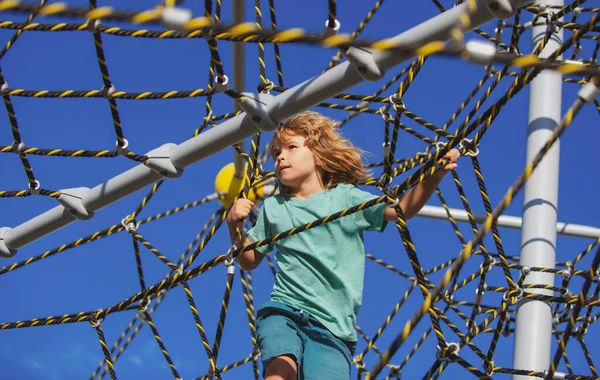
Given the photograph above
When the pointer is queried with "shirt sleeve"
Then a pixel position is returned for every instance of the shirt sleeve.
(261, 231)
(372, 218)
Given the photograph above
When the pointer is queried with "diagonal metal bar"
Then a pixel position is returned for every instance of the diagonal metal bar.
(262, 112)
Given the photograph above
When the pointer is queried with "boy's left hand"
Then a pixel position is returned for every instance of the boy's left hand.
(453, 155)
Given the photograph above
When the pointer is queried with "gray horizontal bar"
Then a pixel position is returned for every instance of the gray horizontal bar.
(514, 222)
(278, 108)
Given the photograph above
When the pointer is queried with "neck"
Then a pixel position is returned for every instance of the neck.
(309, 187)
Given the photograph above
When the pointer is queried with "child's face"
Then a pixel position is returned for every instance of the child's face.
(294, 162)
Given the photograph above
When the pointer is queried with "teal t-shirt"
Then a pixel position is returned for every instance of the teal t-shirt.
(321, 270)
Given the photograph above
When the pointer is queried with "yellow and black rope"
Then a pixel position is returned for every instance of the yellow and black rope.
(223, 315)
(95, 322)
(467, 252)
(331, 24)
(33, 183)
(211, 360)
(276, 49)
(249, 302)
(161, 344)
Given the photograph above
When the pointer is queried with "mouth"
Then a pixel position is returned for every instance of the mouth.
(283, 168)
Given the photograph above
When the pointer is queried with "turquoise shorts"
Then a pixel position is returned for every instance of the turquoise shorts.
(283, 330)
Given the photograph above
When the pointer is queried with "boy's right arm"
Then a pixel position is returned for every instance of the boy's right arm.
(248, 260)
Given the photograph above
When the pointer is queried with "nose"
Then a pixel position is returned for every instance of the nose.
(281, 157)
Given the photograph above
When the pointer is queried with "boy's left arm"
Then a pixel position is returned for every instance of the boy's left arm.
(412, 202)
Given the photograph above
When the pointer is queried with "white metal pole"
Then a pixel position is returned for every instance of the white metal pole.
(533, 331)
(507, 221)
(239, 78)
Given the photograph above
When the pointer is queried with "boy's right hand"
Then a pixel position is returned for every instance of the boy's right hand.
(240, 210)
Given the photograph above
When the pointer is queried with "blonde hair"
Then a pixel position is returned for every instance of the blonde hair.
(339, 160)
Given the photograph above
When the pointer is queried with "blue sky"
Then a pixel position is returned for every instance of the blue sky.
(103, 273)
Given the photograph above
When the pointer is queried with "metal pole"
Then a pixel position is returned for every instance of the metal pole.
(262, 112)
(239, 78)
(533, 331)
(506, 221)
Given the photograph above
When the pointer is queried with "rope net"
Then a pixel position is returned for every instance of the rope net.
(443, 313)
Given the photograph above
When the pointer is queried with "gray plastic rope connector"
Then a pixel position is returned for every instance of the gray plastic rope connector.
(453, 348)
(213, 197)
(255, 106)
(107, 93)
(122, 149)
(71, 200)
(550, 26)
(159, 160)
(230, 260)
(231, 269)
(93, 24)
(362, 104)
(35, 189)
(502, 9)
(588, 92)
(555, 321)
(482, 52)
(18, 148)
(362, 60)
(556, 375)
(221, 86)
(129, 224)
(176, 18)
(4, 89)
(329, 31)
(463, 144)
(386, 149)
(4, 250)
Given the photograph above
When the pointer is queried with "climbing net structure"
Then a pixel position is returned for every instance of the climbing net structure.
(456, 315)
